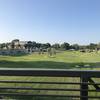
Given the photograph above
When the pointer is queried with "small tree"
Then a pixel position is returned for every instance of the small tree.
(51, 51)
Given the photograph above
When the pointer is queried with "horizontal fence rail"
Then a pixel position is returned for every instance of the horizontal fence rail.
(85, 81)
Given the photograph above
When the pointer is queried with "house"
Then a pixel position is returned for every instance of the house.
(14, 48)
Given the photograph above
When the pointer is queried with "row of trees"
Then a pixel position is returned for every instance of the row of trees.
(67, 46)
(30, 45)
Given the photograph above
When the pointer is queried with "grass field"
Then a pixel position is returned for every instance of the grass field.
(62, 60)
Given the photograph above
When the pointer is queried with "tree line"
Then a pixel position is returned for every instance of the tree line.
(30, 45)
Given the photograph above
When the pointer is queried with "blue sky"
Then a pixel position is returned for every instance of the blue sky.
(73, 21)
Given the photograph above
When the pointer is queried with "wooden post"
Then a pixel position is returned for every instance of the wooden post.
(84, 88)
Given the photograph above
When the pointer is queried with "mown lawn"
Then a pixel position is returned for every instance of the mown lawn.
(62, 60)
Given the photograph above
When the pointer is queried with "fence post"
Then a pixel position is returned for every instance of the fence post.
(84, 88)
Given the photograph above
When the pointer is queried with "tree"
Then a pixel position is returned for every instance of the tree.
(15, 44)
(92, 46)
(75, 46)
(51, 51)
(7, 45)
(2, 45)
(12, 45)
(38, 45)
(19, 46)
(25, 45)
(82, 47)
(29, 45)
(56, 46)
(98, 46)
(47, 45)
(33, 44)
(65, 46)
(15, 40)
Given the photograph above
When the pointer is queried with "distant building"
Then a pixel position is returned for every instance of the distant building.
(19, 48)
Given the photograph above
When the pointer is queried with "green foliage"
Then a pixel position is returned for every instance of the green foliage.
(65, 46)
(32, 46)
(75, 46)
(92, 46)
(56, 46)
(12, 45)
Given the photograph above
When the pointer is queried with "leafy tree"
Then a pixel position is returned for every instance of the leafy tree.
(98, 46)
(51, 51)
(29, 45)
(34, 44)
(15, 40)
(12, 45)
(65, 46)
(56, 46)
(92, 46)
(47, 45)
(75, 46)
(2, 45)
(38, 45)
(43, 46)
(19, 46)
(7, 45)
(25, 46)
(15, 43)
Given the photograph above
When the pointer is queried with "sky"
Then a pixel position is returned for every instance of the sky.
(54, 21)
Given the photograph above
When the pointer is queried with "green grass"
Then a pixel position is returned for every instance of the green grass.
(63, 60)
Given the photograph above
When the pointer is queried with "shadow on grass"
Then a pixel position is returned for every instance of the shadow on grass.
(46, 64)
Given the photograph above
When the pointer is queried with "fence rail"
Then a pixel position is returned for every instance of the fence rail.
(86, 80)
